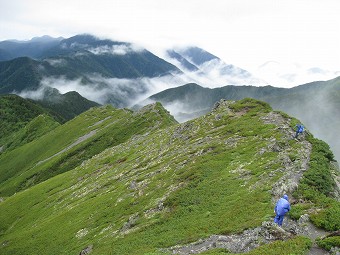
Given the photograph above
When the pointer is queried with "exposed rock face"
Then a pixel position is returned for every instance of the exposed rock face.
(253, 238)
(86, 250)
(336, 176)
(129, 224)
(237, 243)
(293, 169)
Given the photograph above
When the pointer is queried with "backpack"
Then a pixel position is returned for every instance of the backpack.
(300, 128)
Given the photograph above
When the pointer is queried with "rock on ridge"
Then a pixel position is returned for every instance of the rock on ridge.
(236, 243)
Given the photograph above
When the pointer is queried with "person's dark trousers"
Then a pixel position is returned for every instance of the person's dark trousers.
(278, 220)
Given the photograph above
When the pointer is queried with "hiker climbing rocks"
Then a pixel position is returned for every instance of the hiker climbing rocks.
(281, 208)
(299, 130)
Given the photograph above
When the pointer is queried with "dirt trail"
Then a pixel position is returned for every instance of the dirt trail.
(305, 228)
(78, 141)
(269, 232)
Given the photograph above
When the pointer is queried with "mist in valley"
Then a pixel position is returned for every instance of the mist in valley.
(318, 111)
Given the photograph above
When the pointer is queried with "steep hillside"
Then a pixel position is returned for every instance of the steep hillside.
(16, 113)
(156, 192)
(19, 74)
(20, 121)
(67, 146)
(316, 104)
(68, 105)
(34, 129)
(81, 57)
(33, 48)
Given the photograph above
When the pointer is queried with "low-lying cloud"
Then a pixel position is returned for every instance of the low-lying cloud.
(56, 62)
(32, 94)
(128, 92)
(120, 49)
(103, 90)
(320, 117)
(289, 75)
(216, 73)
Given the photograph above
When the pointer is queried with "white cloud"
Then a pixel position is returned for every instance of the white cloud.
(35, 95)
(121, 49)
(216, 73)
(244, 33)
(56, 62)
(292, 74)
(104, 90)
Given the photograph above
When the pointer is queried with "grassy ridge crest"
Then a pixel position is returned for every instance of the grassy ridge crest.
(170, 185)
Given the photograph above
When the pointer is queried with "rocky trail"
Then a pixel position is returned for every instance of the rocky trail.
(252, 238)
(269, 231)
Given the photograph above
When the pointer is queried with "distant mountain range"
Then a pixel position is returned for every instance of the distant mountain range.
(205, 68)
(90, 62)
(34, 48)
(107, 71)
(16, 113)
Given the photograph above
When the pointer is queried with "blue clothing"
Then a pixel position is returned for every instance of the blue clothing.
(281, 208)
(299, 130)
(278, 220)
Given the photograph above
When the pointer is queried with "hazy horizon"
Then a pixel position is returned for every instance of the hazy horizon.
(285, 43)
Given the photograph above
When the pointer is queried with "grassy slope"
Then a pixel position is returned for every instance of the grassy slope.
(34, 129)
(16, 113)
(20, 169)
(68, 105)
(169, 187)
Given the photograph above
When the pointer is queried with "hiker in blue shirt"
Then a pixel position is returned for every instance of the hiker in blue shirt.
(299, 130)
(281, 208)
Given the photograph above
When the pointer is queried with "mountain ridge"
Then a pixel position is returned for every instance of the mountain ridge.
(90, 63)
(172, 185)
(93, 62)
(20, 116)
(76, 140)
(204, 67)
(314, 103)
(33, 48)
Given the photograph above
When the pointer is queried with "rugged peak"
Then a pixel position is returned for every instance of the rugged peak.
(197, 55)
(156, 108)
(84, 41)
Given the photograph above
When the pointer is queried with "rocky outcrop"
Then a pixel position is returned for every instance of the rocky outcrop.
(86, 250)
(292, 170)
(253, 238)
(236, 243)
(335, 170)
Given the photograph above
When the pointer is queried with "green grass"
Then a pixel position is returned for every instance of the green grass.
(171, 186)
(329, 242)
(295, 246)
(18, 173)
(15, 114)
(34, 129)
(316, 186)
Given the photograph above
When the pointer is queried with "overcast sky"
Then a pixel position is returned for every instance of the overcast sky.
(286, 42)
